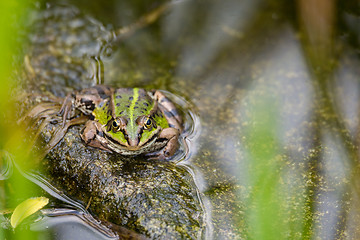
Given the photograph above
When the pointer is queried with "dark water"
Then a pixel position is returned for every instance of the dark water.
(272, 95)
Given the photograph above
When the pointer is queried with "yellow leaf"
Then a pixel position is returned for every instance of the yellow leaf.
(26, 208)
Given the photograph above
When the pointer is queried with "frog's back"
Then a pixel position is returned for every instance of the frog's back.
(130, 102)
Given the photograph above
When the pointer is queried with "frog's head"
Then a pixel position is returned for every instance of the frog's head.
(131, 134)
(132, 121)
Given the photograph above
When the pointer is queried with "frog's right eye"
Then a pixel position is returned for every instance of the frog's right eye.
(115, 124)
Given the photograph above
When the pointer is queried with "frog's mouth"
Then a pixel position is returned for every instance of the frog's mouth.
(134, 145)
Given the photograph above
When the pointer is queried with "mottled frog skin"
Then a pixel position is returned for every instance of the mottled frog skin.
(128, 121)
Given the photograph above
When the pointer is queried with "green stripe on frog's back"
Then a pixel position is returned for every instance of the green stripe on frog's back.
(132, 103)
(132, 106)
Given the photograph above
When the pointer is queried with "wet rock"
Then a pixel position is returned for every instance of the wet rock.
(157, 199)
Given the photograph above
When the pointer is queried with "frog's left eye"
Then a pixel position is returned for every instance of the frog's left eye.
(148, 123)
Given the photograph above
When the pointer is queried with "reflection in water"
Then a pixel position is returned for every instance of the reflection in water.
(339, 158)
(6, 166)
(98, 71)
(192, 128)
(62, 222)
(200, 186)
(346, 91)
(332, 198)
(211, 41)
(316, 21)
(281, 118)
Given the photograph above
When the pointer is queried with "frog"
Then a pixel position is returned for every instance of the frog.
(127, 121)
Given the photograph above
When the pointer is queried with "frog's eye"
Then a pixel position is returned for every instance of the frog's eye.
(115, 125)
(148, 123)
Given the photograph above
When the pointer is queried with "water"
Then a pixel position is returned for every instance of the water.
(270, 103)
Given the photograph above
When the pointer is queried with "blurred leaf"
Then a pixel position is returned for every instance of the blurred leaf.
(27, 208)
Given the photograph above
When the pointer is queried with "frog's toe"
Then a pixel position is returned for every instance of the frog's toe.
(156, 156)
(168, 153)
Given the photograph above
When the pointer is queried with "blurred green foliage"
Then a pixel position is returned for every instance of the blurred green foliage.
(16, 188)
(270, 210)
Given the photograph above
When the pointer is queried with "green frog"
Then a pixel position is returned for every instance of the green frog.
(128, 121)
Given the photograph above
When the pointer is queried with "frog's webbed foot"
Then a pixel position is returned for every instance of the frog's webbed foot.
(44, 113)
(66, 107)
(40, 111)
(158, 156)
(60, 133)
(172, 134)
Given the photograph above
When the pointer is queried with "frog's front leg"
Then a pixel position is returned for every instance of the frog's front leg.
(60, 133)
(172, 136)
(66, 107)
(173, 131)
(94, 136)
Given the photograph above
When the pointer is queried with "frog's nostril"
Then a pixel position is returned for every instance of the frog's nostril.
(133, 142)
